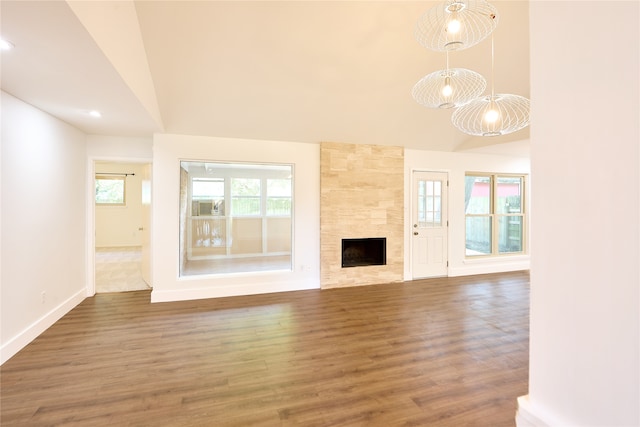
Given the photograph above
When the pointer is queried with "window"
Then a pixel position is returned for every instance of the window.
(253, 232)
(207, 188)
(110, 190)
(245, 196)
(495, 214)
(207, 196)
(279, 197)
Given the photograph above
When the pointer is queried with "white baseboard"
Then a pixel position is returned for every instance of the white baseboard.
(17, 343)
(159, 295)
(490, 266)
(524, 414)
(530, 415)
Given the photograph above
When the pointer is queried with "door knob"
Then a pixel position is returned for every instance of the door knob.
(415, 233)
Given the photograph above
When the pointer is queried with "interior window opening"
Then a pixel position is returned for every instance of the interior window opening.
(235, 217)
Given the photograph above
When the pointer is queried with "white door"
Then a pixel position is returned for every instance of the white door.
(145, 228)
(429, 223)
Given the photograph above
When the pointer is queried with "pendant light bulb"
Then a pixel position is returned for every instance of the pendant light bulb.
(447, 90)
(6, 45)
(453, 27)
(491, 116)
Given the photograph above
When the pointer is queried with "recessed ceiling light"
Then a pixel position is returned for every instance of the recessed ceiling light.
(95, 113)
(5, 44)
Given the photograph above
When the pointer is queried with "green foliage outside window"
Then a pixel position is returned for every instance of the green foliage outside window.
(110, 190)
(279, 197)
(245, 196)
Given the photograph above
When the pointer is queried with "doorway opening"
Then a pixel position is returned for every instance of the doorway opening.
(121, 218)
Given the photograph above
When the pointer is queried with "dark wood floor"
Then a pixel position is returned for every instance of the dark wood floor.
(437, 352)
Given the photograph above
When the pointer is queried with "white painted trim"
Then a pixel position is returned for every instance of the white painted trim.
(117, 246)
(17, 343)
(91, 213)
(234, 290)
(493, 265)
(90, 270)
(530, 415)
(524, 415)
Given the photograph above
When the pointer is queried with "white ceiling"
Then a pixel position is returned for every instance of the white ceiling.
(305, 71)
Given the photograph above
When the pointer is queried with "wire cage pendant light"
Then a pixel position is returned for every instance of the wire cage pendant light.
(456, 24)
(449, 88)
(492, 115)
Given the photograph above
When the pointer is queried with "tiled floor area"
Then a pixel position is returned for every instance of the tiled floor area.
(118, 269)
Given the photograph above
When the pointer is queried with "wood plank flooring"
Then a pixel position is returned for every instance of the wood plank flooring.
(436, 352)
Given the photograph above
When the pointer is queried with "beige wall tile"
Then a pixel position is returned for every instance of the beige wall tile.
(362, 194)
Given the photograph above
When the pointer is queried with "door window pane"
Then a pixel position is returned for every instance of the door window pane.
(429, 203)
(478, 236)
(422, 204)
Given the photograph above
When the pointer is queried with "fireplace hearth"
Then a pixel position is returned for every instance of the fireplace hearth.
(363, 252)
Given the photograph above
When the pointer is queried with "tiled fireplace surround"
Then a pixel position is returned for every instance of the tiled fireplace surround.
(361, 196)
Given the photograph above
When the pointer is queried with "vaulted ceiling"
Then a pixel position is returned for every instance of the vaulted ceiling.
(305, 71)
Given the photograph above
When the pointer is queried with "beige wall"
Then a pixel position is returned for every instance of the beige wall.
(361, 195)
(119, 225)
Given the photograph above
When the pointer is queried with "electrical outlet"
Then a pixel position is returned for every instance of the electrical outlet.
(43, 297)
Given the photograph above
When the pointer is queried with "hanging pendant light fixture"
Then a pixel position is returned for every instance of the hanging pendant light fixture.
(448, 88)
(492, 115)
(456, 24)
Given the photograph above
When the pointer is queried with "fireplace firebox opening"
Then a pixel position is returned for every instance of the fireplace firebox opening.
(361, 252)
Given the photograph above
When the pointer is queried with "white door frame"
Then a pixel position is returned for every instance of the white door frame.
(91, 215)
(412, 201)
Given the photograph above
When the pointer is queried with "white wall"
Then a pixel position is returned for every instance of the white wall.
(43, 222)
(119, 225)
(118, 148)
(168, 150)
(585, 307)
(456, 165)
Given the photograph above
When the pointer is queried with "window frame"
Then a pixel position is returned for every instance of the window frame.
(495, 217)
(217, 235)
